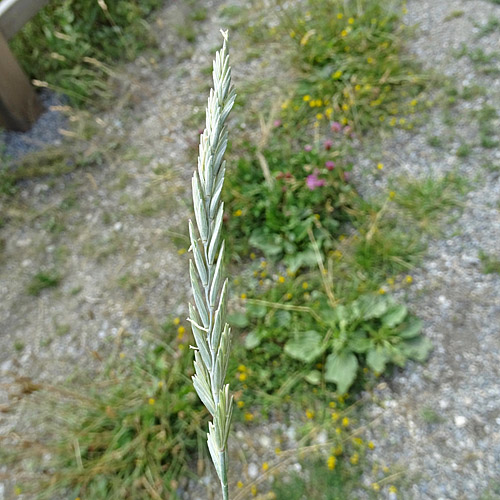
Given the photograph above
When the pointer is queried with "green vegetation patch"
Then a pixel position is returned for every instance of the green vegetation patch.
(70, 44)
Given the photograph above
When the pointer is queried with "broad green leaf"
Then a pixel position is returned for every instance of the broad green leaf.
(358, 342)
(413, 328)
(341, 369)
(306, 346)
(373, 307)
(377, 359)
(256, 310)
(394, 316)
(417, 348)
(269, 244)
(301, 259)
(282, 318)
(313, 377)
(237, 319)
(252, 340)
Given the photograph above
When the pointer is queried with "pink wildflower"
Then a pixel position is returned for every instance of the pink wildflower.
(277, 123)
(330, 165)
(336, 127)
(308, 148)
(328, 144)
(314, 182)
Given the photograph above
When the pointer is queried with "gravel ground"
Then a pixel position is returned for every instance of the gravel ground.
(46, 131)
(439, 422)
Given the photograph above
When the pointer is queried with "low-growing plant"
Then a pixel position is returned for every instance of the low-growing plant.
(490, 263)
(278, 196)
(372, 331)
(42, 281)
(353, 63)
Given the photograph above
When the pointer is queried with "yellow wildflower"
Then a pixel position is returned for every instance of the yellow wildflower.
(413, 102)
(181, 251)
(122, 355)
(332, 404)
(307, 98)
(177, 321)
(310, 414)
(248, 416)
(351, 20)
(265, 466)
(239, 484)
(376, 487)
(243, 296)
(340, 15)
(305, 285)
(240, 404)
(281, 279)
(252, 256)
(380, 166)
(319, 116)
(288, 296)
(371, 445)
(242, 377)
(370, 60)
(181, 330)
(381, 291)
(393, 489)
(354, 459)
(409, 279)
(392, 195)
(357, 441)
(345, 421)
(254, 490)
(238, 212)
(331, 462)
(337, 75)
(343, 33)
(151, 401)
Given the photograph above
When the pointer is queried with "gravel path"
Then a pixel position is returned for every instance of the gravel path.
(440, 422)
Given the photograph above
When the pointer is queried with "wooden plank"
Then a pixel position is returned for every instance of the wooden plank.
(14, 14)
(19, 106)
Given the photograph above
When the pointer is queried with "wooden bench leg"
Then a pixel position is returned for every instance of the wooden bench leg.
(19, 105)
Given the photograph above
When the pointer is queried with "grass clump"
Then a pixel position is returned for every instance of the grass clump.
(70, 44)
(490, 263)
(132, 433)
(426, 200)
(43, 280)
